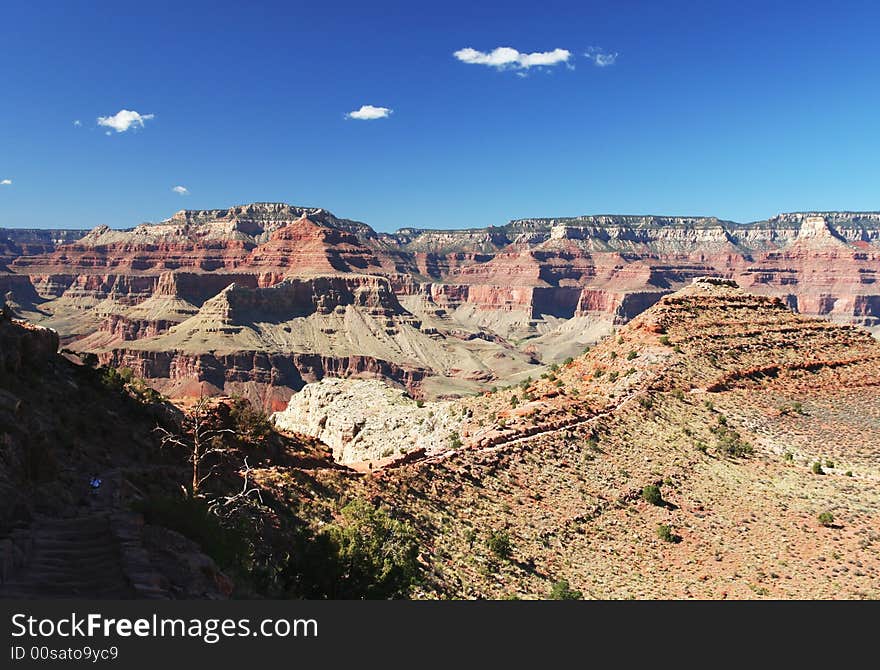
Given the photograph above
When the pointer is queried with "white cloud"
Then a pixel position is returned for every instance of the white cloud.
(123, 120)
(508, 57)
(6, 182)
(368, 113)
(77, 123)
(181, 190)
(600, 57)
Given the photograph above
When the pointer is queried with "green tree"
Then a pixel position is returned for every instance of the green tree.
(376, 555)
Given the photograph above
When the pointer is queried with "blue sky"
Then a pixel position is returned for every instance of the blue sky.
(739, 110)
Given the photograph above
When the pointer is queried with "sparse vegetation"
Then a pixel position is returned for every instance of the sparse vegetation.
(793, 408)
(826, 519)
(817, 468)
(500, 544)
(730, 442)
(561, 590)
(665, 533)
(664, 340)
(652, 494)
(375, 555)
(631, 355)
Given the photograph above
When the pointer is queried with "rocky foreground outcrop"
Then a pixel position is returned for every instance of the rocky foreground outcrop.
(367, 420)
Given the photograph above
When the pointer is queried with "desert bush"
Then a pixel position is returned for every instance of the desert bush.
(561, 590)
(730, 442)
(664, 340)
(817, 468)
(249, 423)
(500, 544)
(826, 519)
(651, 494)
(665, 533)
(631, 355)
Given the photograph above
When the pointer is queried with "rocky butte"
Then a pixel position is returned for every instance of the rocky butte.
(261, 299)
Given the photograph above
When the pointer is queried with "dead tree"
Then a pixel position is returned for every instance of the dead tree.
(225, 506)
(200, 439)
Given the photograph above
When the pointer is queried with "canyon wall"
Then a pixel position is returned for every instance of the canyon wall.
(173, 288)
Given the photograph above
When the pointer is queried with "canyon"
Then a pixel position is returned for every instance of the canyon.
(258, 300)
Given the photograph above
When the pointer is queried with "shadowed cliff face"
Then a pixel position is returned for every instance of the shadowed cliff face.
(539, 289)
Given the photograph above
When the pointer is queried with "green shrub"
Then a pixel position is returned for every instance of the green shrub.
(664, 340)
(568, 361)
(817, 468)
(620, 340)
(826, 519)
(730, 442)
(500, 545)
(651, 494)
(514, 401)
(848, 473)
(664, 532)
(421, 403)
(250, 424)
(613, 355)
(562, 591)
(829, 463)
(455, 441)
(631, 355)
(375, 555)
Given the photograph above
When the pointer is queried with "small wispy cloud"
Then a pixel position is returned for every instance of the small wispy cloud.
(123, 120)
(5, 182)
(77, 123)
(509, 58)
(600, 57)
(180, 190)
(369, 113)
